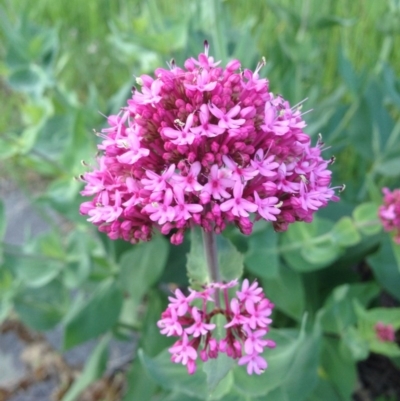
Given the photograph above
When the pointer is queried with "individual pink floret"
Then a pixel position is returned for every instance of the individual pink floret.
(199, 327)
(255, 363)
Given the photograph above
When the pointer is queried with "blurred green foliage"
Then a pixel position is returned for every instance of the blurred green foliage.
(63, 64)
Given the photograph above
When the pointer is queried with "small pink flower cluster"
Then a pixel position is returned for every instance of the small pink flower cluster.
(389, 212)
(384, 332)
(205, 146)
(247, 317)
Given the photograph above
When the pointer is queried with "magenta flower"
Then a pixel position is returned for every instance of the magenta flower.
(389, 212)
(255, 363)
(385, 332)
(226, 120)
(182, 351)
(235, 150)
(189, 182)
(267, 207)
(180, 302)
(161, 212)
(199, 327)
(206, 128)
(237, 205)
(169, 323)
(245, 330)
(250, 293)
(217, 185)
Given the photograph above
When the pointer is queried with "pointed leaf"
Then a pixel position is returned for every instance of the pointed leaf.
(366, 218)
(143, 265)
(262, 256)
(345, 233)
(93, 370)
(286, 291)
(96, 316)
(385, 268)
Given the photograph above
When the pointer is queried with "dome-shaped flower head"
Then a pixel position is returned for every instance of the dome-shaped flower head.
(204, 145)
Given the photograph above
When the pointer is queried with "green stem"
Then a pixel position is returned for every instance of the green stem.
(210, 249)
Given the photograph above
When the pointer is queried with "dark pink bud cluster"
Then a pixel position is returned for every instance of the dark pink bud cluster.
(385, 332)
(204, 145)
(389, 212)
(247, 322)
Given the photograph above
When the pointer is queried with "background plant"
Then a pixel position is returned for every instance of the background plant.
(63, 63)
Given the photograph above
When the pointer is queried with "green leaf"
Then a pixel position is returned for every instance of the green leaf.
(42, 308)
(93, 370)
(174, 376)
(96, 316)
(288, 349)
(262, 257)
(324, 390)
(216, 370)
(396, 252)
(366, 218)
(348, 74)
(223, 387)
(62, 195)
(354, 343)
(143, 265)
(230, 259)
(80, 248)
(338, 368)
(287, 292)
(385, 268)
(9, 146)
(345, 233)
(140, 385)
(31, 79)
(329, 21)
(196, 259)
(309, 246)
(338, 312)
(36, 271)
(302, 375)
(389, 168)
(80, 144)
(7, 292)
(175, 396)
(151, 341)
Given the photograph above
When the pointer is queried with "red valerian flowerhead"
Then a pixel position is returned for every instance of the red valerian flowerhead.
(247, 315)
(204, 145)
(385, 332)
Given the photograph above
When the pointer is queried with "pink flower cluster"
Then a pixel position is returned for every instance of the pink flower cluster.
(389, 212)
(385, 332)
(247, 322)
(204, 145)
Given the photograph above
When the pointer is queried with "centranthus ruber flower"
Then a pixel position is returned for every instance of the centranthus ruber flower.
(247, 323)
(204, 145)
(389, 212)
(385, 332)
